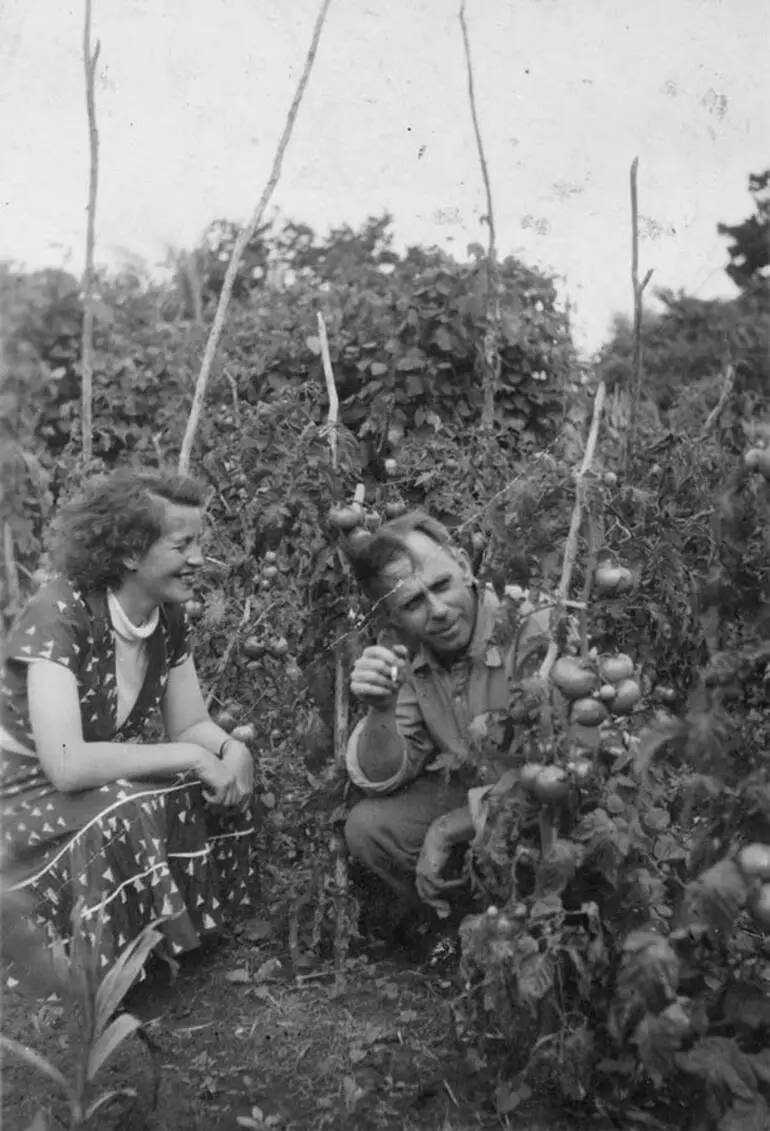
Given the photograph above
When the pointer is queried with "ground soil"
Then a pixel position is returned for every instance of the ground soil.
(242, 1043)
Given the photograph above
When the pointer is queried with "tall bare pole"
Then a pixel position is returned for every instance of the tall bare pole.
(90, 58)
(492, 332)
(638, 289)
(241, 243)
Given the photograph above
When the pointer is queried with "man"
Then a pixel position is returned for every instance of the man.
(424, 696)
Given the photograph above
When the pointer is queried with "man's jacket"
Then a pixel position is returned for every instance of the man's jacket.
(442, 714)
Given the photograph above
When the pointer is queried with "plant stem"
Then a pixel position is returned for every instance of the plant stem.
(244, 237)
(90, 59)
(492, 363)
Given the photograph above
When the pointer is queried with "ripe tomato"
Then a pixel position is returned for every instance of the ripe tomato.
(615, 668)
(346, 518)
(551, 785)
(629, 694)
(588, 712)
(613, 579)
(572, 679)
(754, 861)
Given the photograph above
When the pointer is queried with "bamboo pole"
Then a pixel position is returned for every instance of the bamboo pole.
(244, 237)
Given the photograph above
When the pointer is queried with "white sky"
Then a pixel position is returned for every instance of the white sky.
(192, 96)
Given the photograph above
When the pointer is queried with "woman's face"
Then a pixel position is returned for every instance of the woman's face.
(167, 570)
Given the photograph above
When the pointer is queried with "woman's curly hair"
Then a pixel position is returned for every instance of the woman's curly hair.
(115, 517)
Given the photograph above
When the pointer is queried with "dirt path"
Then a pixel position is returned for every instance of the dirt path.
(237, 1051)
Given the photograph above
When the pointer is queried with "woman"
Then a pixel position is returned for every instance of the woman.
(92, 804)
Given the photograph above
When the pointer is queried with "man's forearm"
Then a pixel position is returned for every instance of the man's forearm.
(381, 749)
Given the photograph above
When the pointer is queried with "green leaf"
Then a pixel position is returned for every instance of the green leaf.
(720, 1064)
(557, 866)
(746, 1116)
(444, 339)
(377, 369)
(114, 1035)
(534, 978)
(121, 976)
(107, 1097)
(40, 1063)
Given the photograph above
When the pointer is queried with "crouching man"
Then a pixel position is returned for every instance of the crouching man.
(444, 665)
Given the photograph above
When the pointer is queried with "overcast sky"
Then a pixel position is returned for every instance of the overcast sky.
(192, 97)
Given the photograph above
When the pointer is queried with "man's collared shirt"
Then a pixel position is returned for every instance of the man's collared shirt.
(436, 705)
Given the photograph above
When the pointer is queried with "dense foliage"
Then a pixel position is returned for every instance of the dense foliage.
(610, 899)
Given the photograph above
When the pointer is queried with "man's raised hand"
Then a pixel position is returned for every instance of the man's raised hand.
(377, 675)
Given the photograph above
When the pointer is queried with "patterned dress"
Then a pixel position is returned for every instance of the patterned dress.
(132, 850)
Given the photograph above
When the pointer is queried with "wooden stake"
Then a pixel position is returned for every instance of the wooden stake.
(492, 332)
(331, 389)
(244, 237)
(571, 545)
(724, 396)
(638, 289)
(13, 596)
(90, 59)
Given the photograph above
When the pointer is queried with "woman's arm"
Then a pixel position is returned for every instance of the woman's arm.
(187, 720)
(71, 763)
(185, 713)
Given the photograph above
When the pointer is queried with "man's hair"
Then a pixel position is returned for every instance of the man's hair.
(115, 517)
(387, 544)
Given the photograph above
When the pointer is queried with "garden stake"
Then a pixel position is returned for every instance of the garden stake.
(491, 354)
(244, 237)
(724, 396)
(11, 572)
(90, 59)
(570, 547)
(331, 389)
(341, 702)
(638, 289)
(594, 539)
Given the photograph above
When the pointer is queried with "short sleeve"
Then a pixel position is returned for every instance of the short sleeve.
(49, 628)
(178, 635)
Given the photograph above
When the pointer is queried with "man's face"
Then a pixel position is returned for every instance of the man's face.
(432, 602)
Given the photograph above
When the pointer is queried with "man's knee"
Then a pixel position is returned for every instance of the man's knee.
(361, 830)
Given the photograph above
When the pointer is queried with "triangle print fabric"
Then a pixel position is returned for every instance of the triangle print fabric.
(133, 851)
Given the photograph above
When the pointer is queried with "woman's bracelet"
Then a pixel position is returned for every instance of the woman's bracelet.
(221, 751)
